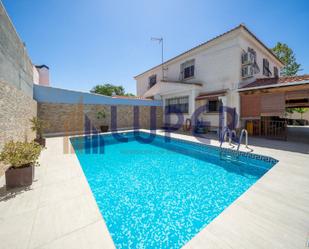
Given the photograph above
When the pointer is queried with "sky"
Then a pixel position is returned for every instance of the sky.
(89, 42)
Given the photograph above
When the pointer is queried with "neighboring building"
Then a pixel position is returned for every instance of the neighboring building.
(209, 74)
(41, 75)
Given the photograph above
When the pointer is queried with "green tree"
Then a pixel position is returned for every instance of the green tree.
(110, 90)
(288, 111)
(129, 94)
(301, 111)
(287, 56)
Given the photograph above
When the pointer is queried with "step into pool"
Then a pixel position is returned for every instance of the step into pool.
(160, 192)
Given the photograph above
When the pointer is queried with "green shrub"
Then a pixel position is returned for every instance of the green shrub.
(20, 154)
(38, 125)
(101, 115)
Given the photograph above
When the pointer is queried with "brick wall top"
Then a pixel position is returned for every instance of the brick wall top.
(44, 94)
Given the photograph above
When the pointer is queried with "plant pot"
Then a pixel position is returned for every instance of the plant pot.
(40, 141)
(19, 177)
(104, 128)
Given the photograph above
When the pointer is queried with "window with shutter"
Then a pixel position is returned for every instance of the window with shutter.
(214, 105)
(276, 73)
(187, 69)
(247, 71)
(266, 70)
(152, 80)
(177, 105)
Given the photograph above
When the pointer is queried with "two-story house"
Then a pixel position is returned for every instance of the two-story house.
(209, 75)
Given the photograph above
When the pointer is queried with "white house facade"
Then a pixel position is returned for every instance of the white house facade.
(209, 75)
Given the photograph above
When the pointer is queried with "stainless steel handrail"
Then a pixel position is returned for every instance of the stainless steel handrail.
(231, 136)
(243, 131)
(226, 131)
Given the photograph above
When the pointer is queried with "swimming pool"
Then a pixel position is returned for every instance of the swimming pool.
(161, 194)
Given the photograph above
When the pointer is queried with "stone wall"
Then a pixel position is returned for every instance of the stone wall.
(16, 109)
(16, 87)
(70, 118)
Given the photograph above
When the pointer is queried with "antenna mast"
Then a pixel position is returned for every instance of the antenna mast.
(160, 40)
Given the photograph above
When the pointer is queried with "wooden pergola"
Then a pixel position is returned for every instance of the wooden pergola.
(263, 108)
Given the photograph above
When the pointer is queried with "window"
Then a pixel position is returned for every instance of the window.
(177, 105)
(247, 58)
(152, 80)
(266, 70)
(214, 105)
(189, 72)
(249, 64)
(276, 73)
(187, 69)
(247, 71)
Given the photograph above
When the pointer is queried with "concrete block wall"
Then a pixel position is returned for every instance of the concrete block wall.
(15, 64)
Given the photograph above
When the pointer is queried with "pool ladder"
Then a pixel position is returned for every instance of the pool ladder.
(230, 133)
(243, 131)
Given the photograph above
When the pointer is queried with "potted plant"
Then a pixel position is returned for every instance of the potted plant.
(38, 126)
(100, 116)
(21, 158)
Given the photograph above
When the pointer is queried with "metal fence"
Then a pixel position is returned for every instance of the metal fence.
(268, 128)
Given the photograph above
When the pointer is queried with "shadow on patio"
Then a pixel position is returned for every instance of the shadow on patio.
(293, 146)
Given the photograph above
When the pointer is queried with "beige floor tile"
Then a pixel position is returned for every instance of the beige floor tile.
(54, 221)
(68, 189)
(208, 241)
(94, 236)
(15, 231)
(18, 201)
(64, 173)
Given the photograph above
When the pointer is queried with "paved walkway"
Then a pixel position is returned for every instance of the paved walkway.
(59, 211)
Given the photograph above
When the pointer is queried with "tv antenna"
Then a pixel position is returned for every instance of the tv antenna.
(160, 41)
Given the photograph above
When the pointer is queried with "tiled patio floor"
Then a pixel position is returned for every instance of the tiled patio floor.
(59, 211)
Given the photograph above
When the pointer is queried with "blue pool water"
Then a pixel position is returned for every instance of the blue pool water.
(161, 194)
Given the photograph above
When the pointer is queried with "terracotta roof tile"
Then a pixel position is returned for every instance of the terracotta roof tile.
(211, 94)
(281, 80)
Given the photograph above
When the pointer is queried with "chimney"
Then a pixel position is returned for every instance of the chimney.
(43, 72)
